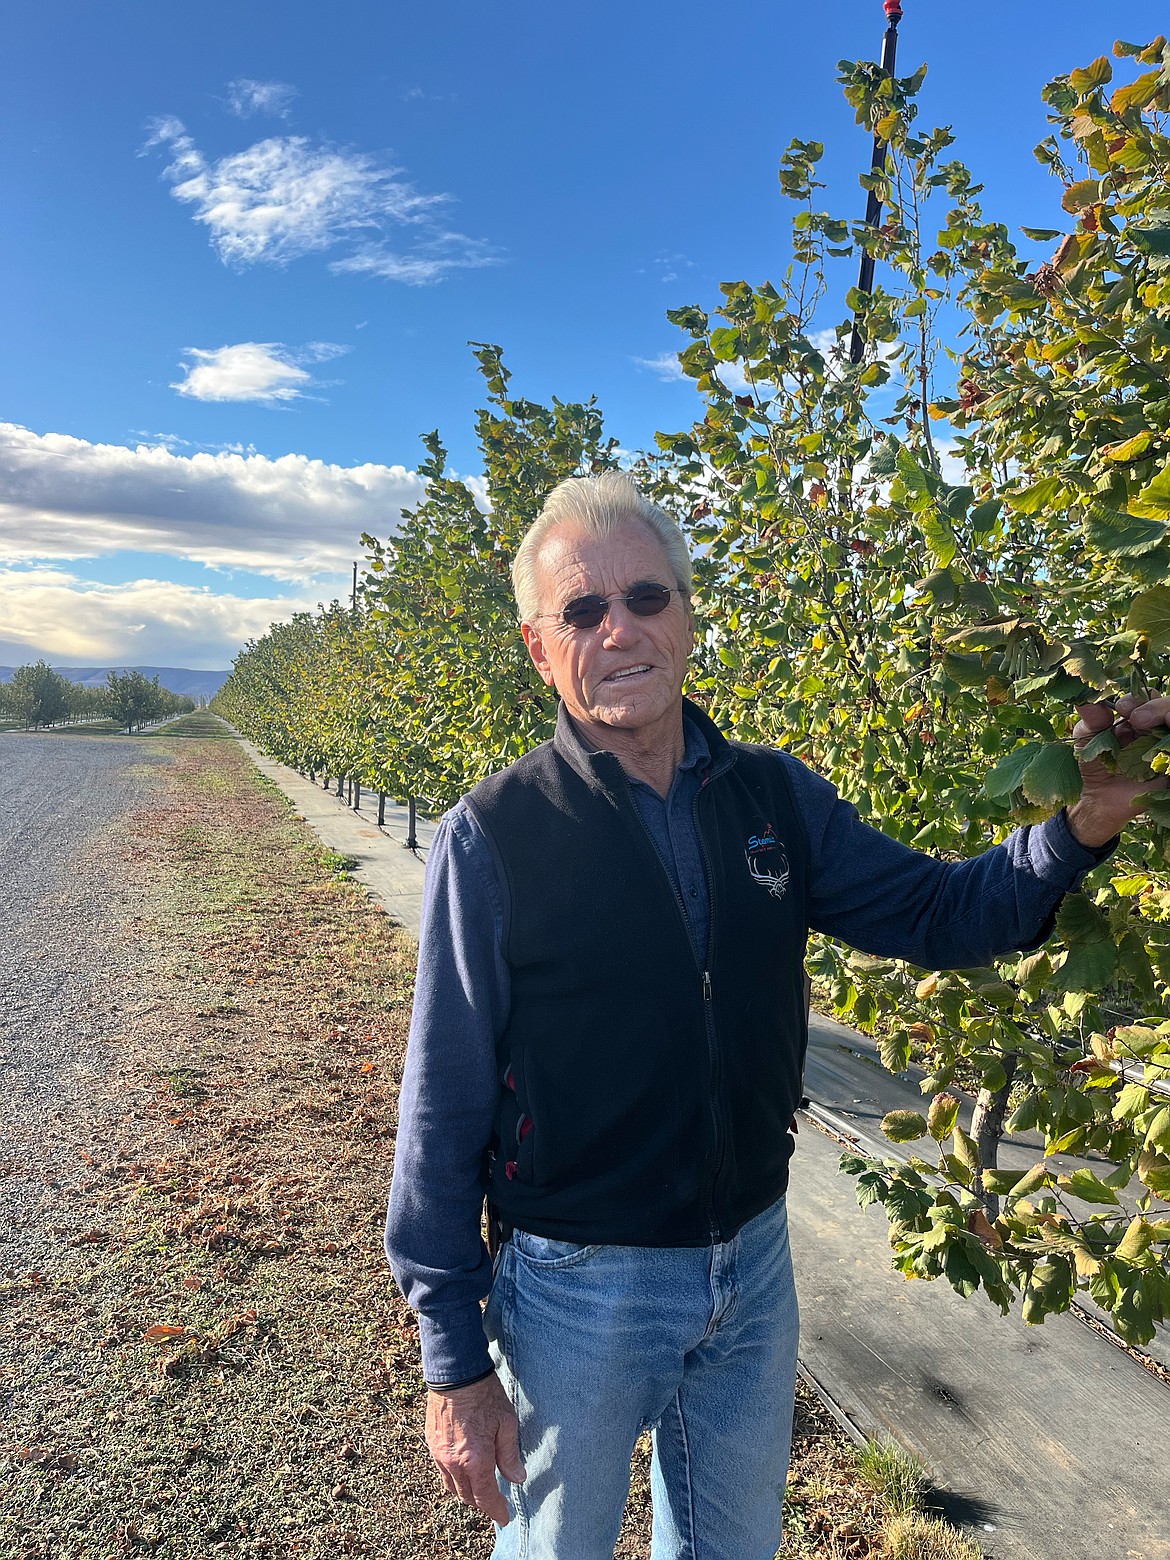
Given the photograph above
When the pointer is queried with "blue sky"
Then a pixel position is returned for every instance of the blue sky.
(249, 244)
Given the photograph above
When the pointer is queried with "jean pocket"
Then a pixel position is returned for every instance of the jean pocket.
(542, 1252)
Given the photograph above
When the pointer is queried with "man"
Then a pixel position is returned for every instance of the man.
(608, 1037)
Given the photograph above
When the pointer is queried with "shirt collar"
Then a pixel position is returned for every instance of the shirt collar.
(700, 737)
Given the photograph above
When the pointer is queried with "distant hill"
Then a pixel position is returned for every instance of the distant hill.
(179, 679)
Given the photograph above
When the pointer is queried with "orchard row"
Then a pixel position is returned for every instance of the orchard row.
(37, 696)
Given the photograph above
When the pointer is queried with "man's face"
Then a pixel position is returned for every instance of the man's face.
(628, 671)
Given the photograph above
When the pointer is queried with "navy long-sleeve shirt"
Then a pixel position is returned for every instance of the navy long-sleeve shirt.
(867, 890)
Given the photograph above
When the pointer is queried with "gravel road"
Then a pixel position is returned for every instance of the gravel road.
(67, 972)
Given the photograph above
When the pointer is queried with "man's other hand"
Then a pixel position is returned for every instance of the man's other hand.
(470, 1433)
(1109, 801)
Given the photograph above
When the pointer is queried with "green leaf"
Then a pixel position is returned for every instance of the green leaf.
(894, 1050)
(1158, 1131)
(984, 516)
(1150, 240)
(1079, 920)
(921, 483)
(1085, 1185)
(1089, 967)
(904, 1126)
(969, 671)
(1154, 1171)
(1053, 778)
(1136, 1241)
(965, 1150)
(1122, 535)
(1035, 498)
(1008, 774)
(1104, 742)
(1150, 615)
(1031, 1181)
(1083, 661)
(726, 344)
(1132, 1101)
(939, 538)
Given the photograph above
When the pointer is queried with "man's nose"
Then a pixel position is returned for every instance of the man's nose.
(620, 623)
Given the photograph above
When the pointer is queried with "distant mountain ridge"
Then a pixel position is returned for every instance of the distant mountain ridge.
(179, 679)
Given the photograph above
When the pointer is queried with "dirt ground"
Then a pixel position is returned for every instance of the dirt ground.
(213, 1359)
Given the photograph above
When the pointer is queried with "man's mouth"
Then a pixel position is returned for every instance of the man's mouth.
(628, 671)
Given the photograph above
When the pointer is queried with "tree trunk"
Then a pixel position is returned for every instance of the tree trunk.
(987, 1127)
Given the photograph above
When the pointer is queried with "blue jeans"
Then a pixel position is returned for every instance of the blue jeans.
(595, 1344)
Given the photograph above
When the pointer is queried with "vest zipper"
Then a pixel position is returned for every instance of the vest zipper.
(708, 1006)
(709, 1024)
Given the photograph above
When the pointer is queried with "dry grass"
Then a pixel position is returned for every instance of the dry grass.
(214, 1358)
(913, 1536)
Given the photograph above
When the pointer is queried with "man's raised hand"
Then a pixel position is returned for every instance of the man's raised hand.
(470, 1433)
(1109, 801)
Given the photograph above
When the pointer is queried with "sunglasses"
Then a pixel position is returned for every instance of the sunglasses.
(644, 600)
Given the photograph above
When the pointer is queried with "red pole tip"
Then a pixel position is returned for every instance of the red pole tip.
(893, 9)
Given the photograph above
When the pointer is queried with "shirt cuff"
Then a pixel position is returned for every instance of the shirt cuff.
(1059, 858)
(454, 1345)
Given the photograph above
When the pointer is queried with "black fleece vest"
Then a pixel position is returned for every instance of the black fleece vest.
(646, 1096)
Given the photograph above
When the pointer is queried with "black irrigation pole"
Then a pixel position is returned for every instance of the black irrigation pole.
(873, 206)
(411, 834)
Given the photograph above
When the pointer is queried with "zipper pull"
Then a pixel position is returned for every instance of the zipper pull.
(706, 986)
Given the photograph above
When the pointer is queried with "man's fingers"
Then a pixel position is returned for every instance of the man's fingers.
(448, 1481)
(1154, 712)
(508, 1459)
(487, 1496)
(1094, 718)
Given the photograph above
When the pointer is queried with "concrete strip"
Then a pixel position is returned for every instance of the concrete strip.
(393, 874)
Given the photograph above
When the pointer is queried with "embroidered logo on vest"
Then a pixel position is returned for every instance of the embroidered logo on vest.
(767, 862)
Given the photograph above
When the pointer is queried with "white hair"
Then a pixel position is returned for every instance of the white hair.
(600, 505)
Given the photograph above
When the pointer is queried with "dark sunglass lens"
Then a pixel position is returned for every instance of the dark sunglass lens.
(585, 612)
(647, 600)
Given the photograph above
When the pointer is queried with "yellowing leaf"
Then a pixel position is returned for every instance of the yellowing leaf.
(1094, 75)
(1150, 615)
(1085, 192)
(1129, 449)
(904, 1126)
(1138, 93)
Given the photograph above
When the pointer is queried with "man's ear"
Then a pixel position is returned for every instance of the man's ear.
(534, 642)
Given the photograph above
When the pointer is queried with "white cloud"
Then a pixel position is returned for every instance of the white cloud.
(169, 441)
(952, 467)
(666, 365)
(247, 97)
(149, 622)
(668, 368)
(263, 371)
(291, 518)
(433, 260)
(286, 197)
